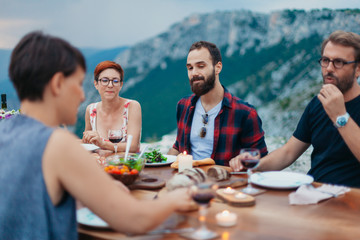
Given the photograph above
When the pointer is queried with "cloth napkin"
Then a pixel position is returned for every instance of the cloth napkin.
(308, 194)
(205, 161)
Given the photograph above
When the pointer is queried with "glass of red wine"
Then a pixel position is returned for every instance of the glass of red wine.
(250, 160)
(202, 194)
(115, 136)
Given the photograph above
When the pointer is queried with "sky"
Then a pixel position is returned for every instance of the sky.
(113, 23)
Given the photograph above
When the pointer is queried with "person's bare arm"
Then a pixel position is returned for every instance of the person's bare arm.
(134, 127)
(87, 119)
(67, 166)
(333, 102)
(351, 135)
(278, 159)
(283, 156)
(85, 138)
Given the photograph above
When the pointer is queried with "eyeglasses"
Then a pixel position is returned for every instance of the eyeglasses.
(337, 62)
(205, 120)
(105, 81)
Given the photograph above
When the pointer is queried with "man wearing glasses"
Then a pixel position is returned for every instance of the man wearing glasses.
(212, 123)
(331, 120)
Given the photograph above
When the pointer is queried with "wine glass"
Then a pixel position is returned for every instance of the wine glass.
(250, 160)
(115, 136)
(202, 193)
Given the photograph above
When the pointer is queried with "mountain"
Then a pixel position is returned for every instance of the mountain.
(269, 60)
(93, 57)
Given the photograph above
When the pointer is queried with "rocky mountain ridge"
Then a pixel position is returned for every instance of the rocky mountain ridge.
(269, 60)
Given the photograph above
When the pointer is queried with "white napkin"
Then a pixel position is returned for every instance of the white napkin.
(307, 194)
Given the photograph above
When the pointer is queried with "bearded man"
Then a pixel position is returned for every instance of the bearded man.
(212, 123)
(331, 120)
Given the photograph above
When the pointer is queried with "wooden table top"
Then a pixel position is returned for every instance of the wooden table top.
(272, 217)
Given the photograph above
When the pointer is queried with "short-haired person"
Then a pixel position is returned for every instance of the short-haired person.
(43, 167)
(212, 123)
(331, 120)
(112, 112)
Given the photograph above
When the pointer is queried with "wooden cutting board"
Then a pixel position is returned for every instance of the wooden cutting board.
(243, 200)
(232, 182)
(147, 182)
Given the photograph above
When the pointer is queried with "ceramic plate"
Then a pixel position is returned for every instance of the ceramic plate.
(89, 147)
(85, 217)
(280, 180)
(170, 159)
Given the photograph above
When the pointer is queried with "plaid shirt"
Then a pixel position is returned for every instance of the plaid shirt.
(236, 126)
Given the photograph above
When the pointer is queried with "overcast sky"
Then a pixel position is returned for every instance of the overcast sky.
(114, 23)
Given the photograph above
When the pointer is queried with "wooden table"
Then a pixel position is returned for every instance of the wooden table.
(272, 217)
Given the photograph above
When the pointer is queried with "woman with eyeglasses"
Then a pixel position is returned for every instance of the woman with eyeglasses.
(112, 112)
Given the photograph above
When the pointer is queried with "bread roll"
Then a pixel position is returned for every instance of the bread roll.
(186, 178)
(218, 173)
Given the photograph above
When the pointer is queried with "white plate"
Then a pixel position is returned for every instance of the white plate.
(280, 180)
(170, 159)
(89, 147)
(85, 217)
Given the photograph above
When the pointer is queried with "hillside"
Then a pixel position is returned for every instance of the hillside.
(269, 60)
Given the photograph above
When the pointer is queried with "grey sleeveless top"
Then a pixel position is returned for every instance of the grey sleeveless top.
(26, 210)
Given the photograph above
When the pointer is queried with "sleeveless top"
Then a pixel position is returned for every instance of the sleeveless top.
(26, 210)
(125, 116)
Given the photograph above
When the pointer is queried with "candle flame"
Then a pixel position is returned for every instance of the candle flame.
(184, 152)
(225, 212)
(225, 236)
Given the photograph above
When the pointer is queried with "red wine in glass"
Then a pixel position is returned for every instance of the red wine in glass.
(203, 197)
(251, 160)
(250, 163)
(115, 136)
(115, 140)
(202, 194)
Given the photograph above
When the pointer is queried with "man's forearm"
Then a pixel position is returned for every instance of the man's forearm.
(284, 156)
(351, 135)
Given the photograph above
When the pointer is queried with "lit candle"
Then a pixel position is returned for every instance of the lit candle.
(226, 219)
(229, 190)
(240, 195)
(185, 161)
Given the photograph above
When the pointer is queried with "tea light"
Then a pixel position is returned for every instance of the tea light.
(229, 190)
(185, 161)
(226, 218)
(240, 195)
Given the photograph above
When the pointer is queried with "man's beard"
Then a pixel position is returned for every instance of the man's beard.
(343, 84)
(202, 88)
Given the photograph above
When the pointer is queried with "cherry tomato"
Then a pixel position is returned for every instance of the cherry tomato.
(134, 171)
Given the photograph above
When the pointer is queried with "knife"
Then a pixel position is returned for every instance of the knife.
(168, 231)
(238, 173)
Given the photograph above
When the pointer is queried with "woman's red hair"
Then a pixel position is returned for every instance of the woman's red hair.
(106, 65)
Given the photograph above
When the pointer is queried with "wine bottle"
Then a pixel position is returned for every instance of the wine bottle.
(3, 101)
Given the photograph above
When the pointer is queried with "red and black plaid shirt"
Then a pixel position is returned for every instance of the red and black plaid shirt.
(236, 126)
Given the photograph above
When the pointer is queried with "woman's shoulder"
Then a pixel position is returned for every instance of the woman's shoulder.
(92, 107)
(129, 103)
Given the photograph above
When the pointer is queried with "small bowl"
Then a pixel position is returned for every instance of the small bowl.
(125, 171)
(126, 179)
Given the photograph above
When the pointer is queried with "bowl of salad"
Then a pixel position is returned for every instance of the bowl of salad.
(125, 171)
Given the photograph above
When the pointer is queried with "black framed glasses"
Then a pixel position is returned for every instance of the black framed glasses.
(205, 120)
(337, 62)
(105, 81)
